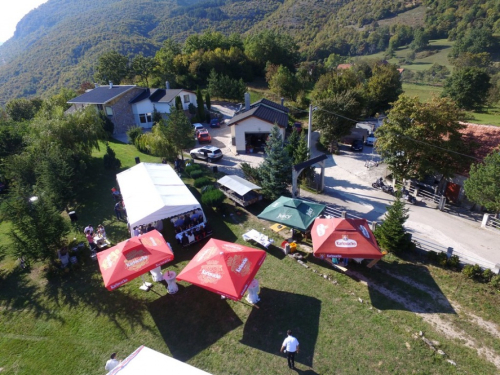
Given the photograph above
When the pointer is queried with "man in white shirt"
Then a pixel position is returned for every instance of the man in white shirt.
(290, 346)
(112, 363)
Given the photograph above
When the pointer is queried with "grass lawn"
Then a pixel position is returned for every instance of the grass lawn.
(71, 324)
(424, 92)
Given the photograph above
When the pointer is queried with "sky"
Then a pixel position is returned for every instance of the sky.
(11, 12)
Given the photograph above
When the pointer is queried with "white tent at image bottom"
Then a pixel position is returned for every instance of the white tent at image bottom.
(148, 361)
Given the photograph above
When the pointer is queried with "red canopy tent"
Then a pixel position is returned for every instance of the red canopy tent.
(133, 258)
(344, 238)
(223, 267)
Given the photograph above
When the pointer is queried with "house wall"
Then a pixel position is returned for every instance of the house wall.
(192, 99)
(123, 117)
(145, 106)
(250, 125)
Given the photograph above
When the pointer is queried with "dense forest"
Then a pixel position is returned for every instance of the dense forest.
(59, 44)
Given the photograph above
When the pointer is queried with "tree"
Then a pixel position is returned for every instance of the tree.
(420, 40)
(391, 234)
(284, 83)
(468, 87)
(23, 109)
(418, 139)
(38, 229)
(178, 103)
(276, 169)
(383, 88)
(207, 100)
(200, 106)
(112, 67)
(157, 142)
(334, 114)
(482, 186)
(180, 132)
(292, 142)
(165, 68)
(143, 67)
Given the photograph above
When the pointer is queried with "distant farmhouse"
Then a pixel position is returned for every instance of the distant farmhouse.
(128, 105)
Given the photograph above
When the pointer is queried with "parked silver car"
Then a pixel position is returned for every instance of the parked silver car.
(208, 153)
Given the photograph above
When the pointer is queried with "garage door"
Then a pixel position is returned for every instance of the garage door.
(255, 142)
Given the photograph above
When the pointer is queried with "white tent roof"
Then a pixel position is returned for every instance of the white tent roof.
(148, 361)
(237, 184)
(154, 192)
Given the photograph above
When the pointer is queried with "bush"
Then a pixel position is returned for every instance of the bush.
(432, 256)
(134, 133)
(202, 181)
(251, 173)
(454, 262)
(213, 198)
(495, 282)
(196, 174)
(204, 189)
(442, 259)
(192, 168)
(473, 272)
(487, 275)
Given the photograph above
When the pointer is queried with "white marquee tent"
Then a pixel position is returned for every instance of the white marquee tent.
(148, 361)
(154, 192)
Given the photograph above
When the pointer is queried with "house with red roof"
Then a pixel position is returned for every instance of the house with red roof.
(483, 140)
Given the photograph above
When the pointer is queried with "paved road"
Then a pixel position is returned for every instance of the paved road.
(348, 187)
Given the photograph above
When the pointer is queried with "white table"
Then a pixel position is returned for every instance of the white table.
(253, 288)
(258, 237)
(169, 277)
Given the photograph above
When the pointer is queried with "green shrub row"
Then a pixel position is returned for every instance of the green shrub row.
(192, 168)
(213, 198)
(196, 174)
(202, 181)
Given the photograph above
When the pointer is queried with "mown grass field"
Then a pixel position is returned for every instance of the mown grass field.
(71, 324)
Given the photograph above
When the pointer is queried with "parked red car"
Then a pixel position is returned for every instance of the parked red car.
(203, 136)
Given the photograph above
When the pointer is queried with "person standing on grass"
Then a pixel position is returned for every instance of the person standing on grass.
(112, 362)
(118, 210)
(290, 346)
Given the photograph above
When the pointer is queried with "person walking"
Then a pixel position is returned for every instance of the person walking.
(290, 347)
(112, 362)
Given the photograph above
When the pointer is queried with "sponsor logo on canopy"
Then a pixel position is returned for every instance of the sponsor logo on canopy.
(111, 259)
(206, 253)
(232, 246)
(310, 212)
(346, 242)
(211, 272)
(283, 216)
(364, 231)
(136, 259)
(239, 264)
(321, 229)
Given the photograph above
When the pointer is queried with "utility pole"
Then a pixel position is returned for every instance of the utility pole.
(309, 129)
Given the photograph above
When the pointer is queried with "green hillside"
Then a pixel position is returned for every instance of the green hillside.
(58, 44)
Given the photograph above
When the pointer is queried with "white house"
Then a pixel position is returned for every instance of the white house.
(251, 127)
(145, 103)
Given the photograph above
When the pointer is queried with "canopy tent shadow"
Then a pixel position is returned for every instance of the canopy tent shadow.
(391, 290)
(199, 319)
(265, 328)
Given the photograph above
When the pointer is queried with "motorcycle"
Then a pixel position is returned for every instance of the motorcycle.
(379, 184)
(405, 195)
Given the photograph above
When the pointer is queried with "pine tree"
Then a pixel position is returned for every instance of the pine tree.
(207, 100)
(391, 234)
(200, 106)
(276, 170)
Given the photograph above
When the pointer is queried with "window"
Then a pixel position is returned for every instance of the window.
(186, 99)
(99, 107)
(145, 118)
(109, 111)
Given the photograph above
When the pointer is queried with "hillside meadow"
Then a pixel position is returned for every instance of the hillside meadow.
(367, 322)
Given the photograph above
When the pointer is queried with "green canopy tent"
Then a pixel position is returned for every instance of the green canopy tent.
(292, 212)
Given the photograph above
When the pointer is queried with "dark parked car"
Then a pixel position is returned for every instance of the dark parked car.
(357, 145)
(214, 123)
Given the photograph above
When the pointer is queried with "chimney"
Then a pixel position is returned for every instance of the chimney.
(167, 85)
(282, 101)
(96, 85)
(110, 84)
(247, 101)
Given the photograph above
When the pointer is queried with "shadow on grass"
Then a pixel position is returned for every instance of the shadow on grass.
(18, 293)
(86, 288)
(192, 320)
(279, 311)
